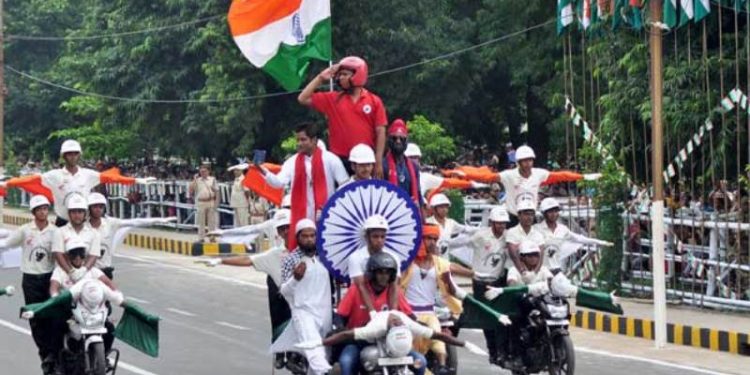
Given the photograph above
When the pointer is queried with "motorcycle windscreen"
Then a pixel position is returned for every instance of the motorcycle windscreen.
(139, 329)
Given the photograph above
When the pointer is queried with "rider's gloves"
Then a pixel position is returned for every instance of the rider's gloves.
(213, 262)
(492, 293)
(78, 274)
(538, 289)
(562, 287)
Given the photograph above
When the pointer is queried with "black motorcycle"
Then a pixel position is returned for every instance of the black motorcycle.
(539, 339)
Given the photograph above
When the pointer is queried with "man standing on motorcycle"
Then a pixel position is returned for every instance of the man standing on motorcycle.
(268, 262)
(306, 285)
(77, 230)
(36, 239)
(379, 282)
(422, 292)
(449, 228)
(107, 227)
(524, 232)
(375, 229)
(557, 232)
(490, 263)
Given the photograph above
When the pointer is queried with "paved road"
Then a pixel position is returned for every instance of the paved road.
(217, 324)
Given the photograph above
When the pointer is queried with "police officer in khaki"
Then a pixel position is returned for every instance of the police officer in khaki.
(240, 197)
(205, 193)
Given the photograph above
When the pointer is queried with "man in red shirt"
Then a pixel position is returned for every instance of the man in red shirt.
(355, 115)
(381, 273)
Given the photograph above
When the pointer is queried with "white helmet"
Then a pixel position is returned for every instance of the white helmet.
(281, 217)
(548, 204)
(439, 200)
(375, 222)
(398, 342)
(304, 224)
(525, 152)
(499, 215)
(38, 201)
(96, 198)
(77, 202)
(525, 205)
(362, 154)
(75, 244)
(528, 247)
(70, 146)
(92, 294)
(286, 202)
(412, 150)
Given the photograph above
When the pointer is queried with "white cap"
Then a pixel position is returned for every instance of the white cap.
(375, 222)
(286, 202)
(412, 150)
(499, 215)
(525, 205)
(528, 247)
(241, 166)
(75, 244)
(76, 202)
(92, 294)
(97, 198)
(525, 152)
(322, 145)
(398, 341)
(439, 200)
(548, 204)
(304, 224)
(362, 154)
(281, 217)
(37, 201)
(70, 146)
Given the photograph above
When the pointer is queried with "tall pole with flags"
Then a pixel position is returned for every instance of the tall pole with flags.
(657, 207)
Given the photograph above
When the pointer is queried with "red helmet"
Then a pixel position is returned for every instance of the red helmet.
(358, 66)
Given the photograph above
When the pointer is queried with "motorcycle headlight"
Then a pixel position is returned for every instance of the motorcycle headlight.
(368, 356)
(558, 311)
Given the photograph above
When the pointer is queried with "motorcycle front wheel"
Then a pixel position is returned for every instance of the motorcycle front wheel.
(565, 355)
(97, 359)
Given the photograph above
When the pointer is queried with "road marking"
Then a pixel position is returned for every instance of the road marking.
(230, 325)
(121, 364)
(475, 349)
(647, 360)
(141, 301)
(194, 271)
(181, 312)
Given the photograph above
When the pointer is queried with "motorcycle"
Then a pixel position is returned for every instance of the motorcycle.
(540, 340)
(83, 349)
(447, 323)
(375, 360)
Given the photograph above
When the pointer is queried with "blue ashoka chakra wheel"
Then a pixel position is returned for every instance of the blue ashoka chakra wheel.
(340, 228)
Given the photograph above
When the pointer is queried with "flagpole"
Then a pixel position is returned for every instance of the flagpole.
(657, 213)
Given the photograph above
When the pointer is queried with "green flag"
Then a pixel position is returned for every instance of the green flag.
(139, 329)
(564, 15)
(9, 290)
(56, 307)
(477, 314)
(669, 14)
(702, 8)
(686, 11)
(597, 300)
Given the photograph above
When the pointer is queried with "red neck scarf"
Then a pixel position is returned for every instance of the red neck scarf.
(299, 191)
(393, 175)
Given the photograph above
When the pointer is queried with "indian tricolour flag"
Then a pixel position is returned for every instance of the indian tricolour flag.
(282, 36)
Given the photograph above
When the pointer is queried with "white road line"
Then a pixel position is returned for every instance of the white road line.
(475, 349)
(647, 360)
(121, 364)
(181, 312)
(194, 271)
(230, 325)
(141, 301)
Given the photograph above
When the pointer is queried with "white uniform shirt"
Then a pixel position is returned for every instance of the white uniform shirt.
(490, 254)
(238, 198)
(516, 235)
(557, 237)
(107, 230)
(448, 230)
(515, 185)
(66, 282)
(334, 170)
(269, 262)
(357, 262)
(62, 183)
(515, 278)
(87, 235)
(36, 247)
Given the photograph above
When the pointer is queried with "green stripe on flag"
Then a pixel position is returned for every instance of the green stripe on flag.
(290, 63)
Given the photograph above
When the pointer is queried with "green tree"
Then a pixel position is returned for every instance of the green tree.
(436, 146)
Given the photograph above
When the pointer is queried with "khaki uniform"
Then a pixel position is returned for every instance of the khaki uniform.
(205, 193)
(239, 202)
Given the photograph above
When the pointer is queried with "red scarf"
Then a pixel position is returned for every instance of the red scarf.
(299, 191)
(393, 176)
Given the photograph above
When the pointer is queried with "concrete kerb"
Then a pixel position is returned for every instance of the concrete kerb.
(159, 243)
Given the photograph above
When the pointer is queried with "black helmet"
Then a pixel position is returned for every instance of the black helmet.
(381, 260)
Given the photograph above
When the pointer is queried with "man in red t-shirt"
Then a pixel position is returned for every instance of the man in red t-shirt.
(355, 115)
(381, 273)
